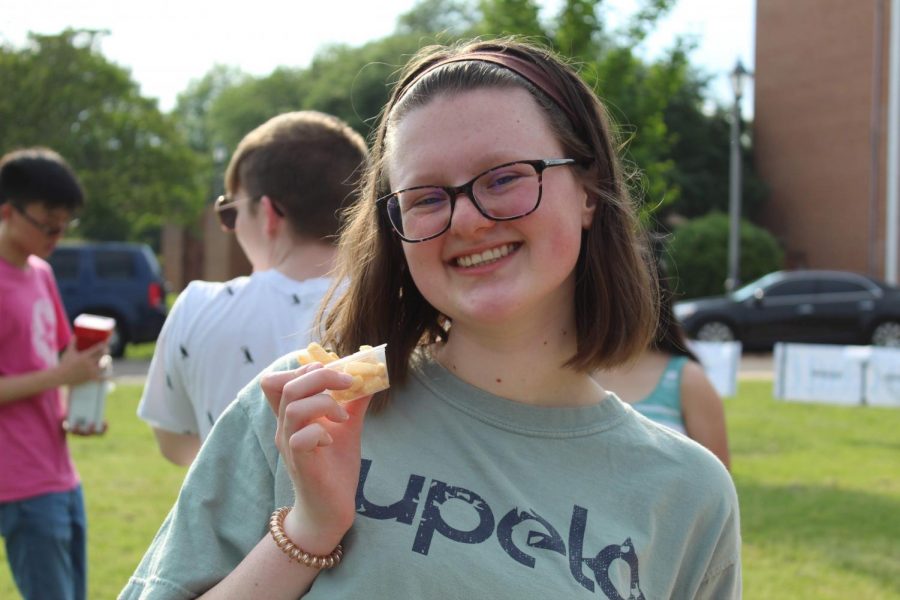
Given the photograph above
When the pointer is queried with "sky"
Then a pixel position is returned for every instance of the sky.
(168, 43)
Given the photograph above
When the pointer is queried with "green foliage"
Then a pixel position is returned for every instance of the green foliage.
(141, 167)
(454, 17)
(349, 82)
(645, 18)
(578, 29)
(192, 114)
(354, 83)
(59, 91)
(510, 17)
(701, 147)
(698, 254)
(672, 149)
(636, 95)
(243, 107)
(194, 104)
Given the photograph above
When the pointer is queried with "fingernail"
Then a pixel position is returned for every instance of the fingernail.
(342, 413)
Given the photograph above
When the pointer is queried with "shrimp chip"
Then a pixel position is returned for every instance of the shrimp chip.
(368, 367)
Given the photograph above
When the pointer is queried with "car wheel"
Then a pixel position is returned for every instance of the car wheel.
(715, 331)
(887, 334)
(117, 342)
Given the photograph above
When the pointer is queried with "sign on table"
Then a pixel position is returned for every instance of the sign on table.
(846, 375)
(720, 361)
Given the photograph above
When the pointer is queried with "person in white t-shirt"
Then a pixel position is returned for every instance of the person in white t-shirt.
(285, 186)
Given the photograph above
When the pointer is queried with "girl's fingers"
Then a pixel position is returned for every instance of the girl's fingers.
(273, 383)
(309, 438)
(311, 383)
(298, 414)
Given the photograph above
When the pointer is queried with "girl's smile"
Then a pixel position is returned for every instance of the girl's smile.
(486, 257)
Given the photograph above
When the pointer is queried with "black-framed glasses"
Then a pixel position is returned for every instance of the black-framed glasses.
(503, 193)
(227, 211)
(48, 230)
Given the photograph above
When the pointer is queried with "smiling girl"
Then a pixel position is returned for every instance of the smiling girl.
(496, 252)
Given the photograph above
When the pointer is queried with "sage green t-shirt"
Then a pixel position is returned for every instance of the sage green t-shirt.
(464, 494)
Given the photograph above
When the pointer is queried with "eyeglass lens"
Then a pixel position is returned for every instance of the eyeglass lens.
(48, 230)
(506, 192)
(226, 210)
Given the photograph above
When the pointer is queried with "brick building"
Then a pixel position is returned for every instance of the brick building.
(201, 252)
(820, 129)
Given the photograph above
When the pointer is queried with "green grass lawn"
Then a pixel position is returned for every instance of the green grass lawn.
(128, 490)
(819, 489)
(142, 351)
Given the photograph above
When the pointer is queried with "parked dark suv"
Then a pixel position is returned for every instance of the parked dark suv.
(807, 306)
(114, 279)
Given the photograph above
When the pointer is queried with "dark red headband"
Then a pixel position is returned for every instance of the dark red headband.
(521, 67)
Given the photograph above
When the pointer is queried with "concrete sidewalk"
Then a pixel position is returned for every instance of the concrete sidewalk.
(132, 372)
(753, 366)
(756, 365)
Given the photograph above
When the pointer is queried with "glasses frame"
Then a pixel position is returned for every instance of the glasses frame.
(47, 230)
(225, 204)
(539, 165)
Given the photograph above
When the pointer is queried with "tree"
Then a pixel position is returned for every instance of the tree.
(701, 150)
(578, 29)
(454, 17)
(59, 91)
(698, 254)
(510, 17)
(194, 104)
(192, 116)
(671, 147)
(349, 82)
(645, 18)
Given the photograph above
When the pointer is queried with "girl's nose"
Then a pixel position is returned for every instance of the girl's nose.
(467, 219)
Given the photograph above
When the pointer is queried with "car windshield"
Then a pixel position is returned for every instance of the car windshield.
(746, 292)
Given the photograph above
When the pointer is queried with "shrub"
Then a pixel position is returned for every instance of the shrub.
(698, 255)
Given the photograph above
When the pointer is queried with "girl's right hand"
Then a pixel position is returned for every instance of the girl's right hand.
(319, 441)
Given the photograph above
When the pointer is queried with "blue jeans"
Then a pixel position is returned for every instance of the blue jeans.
(45, 545)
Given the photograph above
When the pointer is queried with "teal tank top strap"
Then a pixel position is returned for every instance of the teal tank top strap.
(663, 404)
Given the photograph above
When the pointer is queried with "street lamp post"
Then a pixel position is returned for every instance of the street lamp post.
(738, 77)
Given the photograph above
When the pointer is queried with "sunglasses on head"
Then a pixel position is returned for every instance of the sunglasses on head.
(227, 211)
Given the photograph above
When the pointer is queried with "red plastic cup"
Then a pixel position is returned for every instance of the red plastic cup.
(92, 329)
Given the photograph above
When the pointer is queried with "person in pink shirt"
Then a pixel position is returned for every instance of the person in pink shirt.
(42, 518)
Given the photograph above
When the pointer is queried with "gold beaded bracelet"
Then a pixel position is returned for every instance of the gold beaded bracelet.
(276, 528)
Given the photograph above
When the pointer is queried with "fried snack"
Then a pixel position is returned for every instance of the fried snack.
(367, 367)
(316, 353)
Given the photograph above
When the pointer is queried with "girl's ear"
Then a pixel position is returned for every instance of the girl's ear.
(588, 209)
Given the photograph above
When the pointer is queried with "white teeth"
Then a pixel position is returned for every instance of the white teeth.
(488, 256)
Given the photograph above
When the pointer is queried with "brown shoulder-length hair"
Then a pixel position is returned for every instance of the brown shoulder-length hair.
(615, 293)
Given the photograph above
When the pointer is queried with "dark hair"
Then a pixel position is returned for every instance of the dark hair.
(308, 162)
(615, 297)
(670, 337)
(39, 175)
